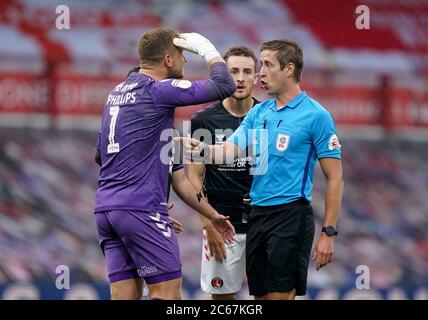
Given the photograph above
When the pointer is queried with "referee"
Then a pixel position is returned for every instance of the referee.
(299, 131)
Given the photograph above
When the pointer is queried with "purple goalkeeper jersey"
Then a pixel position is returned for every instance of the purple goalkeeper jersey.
(133, 176)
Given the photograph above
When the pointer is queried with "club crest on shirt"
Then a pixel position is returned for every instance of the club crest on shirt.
(219, 138)
(183, 84)
(282, 141)
(333, 143)
(217, 282)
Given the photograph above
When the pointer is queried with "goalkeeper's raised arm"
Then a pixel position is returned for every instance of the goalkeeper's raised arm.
(196, 43)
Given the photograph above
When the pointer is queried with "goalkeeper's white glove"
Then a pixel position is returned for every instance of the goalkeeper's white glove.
(196, 43)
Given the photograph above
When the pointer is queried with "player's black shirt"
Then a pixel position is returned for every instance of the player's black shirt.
(225, 184)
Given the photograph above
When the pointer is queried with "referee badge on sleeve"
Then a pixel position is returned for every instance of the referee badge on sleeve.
(333, 143)
(282, 141)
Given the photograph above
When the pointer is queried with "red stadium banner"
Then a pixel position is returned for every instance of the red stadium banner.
(43, 16)
(409, 108)
(24, 93)
(349, 104)
(78, 95)
(394, 25)
(82, 95)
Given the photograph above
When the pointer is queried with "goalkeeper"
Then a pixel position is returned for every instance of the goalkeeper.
(131, 202)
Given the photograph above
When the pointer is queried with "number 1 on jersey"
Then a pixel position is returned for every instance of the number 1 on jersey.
(113, 147)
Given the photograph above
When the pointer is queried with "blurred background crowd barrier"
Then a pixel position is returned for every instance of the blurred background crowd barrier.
(53, 83)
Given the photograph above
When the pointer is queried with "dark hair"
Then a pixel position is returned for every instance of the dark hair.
(135, 69)
(154, 43)
(241, 51)
(287, 51)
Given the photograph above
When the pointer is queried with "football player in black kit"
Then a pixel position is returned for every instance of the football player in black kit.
(225, 185)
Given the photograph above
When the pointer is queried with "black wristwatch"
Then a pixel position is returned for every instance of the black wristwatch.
(330, 231)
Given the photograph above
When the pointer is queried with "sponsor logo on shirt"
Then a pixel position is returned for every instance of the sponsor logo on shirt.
(183, 84)
(219, 138)
(333, 143)
(217, 282)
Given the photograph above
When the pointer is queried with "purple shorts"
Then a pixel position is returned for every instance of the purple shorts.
(139, 244)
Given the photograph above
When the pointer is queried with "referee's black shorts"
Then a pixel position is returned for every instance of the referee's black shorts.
(279, 241)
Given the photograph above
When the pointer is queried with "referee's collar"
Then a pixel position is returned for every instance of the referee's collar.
(295, 101)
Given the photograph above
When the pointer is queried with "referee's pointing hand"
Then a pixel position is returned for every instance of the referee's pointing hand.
(194, 148)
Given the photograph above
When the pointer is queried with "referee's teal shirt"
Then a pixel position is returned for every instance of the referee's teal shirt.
(286, 144)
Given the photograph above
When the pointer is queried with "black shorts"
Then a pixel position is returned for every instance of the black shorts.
(279, 241)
